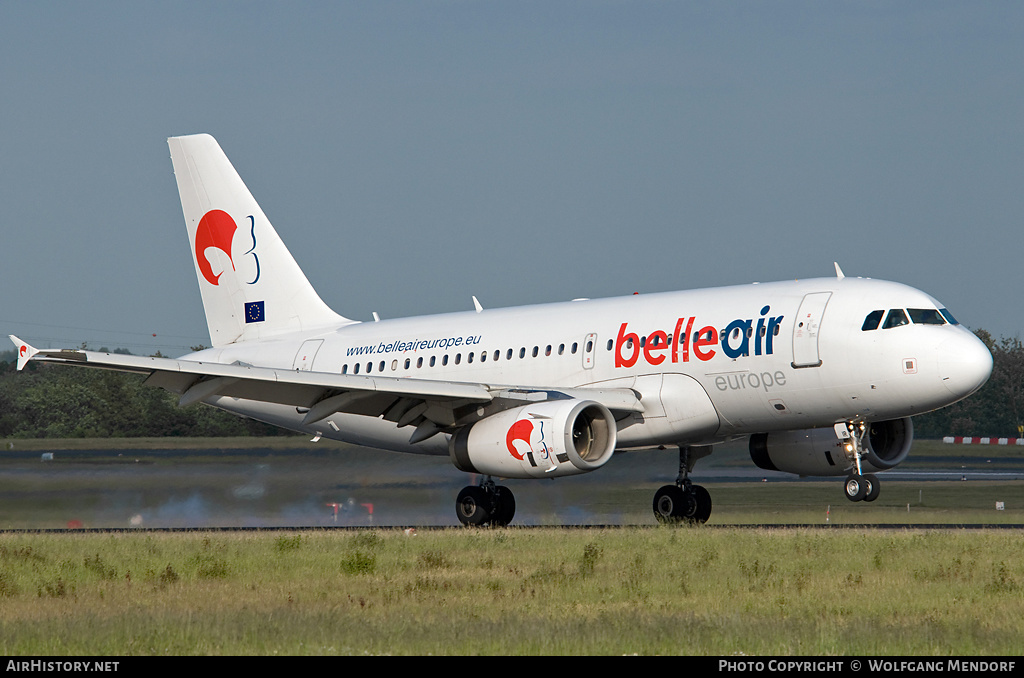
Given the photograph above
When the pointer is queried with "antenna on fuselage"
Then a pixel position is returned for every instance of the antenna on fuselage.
(839, 271)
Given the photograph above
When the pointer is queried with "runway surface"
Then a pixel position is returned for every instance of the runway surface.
(357, 488)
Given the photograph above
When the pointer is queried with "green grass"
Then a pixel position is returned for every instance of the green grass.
(605, 591)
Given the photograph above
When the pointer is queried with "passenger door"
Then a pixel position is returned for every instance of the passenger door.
(806, 329)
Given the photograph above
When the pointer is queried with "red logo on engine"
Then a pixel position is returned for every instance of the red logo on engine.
(522, 431)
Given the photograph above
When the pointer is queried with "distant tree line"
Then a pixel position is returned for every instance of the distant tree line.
(997, 409)
(54, 401)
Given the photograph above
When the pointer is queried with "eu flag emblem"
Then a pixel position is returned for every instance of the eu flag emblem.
(254, 312)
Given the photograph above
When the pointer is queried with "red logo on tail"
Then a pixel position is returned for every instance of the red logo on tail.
(217, 230)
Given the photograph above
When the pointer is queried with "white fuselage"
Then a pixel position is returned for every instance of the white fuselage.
(715, 363)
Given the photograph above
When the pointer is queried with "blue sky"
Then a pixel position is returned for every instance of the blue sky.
(414, 154)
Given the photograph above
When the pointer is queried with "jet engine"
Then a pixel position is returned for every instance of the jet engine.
(818, 452)
(546, 440)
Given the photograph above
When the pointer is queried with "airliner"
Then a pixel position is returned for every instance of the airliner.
(821, 375)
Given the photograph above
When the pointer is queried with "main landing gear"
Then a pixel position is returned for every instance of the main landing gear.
(859, 486)
(684, 502)
(486, 504)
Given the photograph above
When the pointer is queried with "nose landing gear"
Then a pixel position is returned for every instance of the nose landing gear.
(859, 486)
(862, 487)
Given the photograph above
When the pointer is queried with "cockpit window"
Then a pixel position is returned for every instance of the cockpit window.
(925, 316)
(948, 316)
(895, 318)
(871, 322)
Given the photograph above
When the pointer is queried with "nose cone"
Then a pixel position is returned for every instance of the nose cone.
(965, 364)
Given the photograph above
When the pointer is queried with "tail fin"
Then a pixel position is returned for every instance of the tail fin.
(251, 286)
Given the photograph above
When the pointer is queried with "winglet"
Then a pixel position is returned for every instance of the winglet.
(839, 271)
(25, 352)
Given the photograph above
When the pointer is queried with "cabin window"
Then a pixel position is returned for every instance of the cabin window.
(433, 360)
(380, 368)
(483, 356)
(535, 351)
(458, 358)
(356, 370)
(419, 363)
(872, 320)
(574, 347)
(561, 349)
(394, 364)
(925, 316)
(444, 360)
(408, 362)
(896, 317)
(610, 343)
(547, 351)
(508, 356)
(344, 369)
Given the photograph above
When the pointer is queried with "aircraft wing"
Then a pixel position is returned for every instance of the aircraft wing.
(320, 394)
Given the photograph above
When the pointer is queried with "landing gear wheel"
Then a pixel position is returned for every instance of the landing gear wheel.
(684, 501)
(473, 506)
(874, 487)
(487, 504)
(856, 488)
(674, 504)
(505, 508)
(671, 504)
(703, 498)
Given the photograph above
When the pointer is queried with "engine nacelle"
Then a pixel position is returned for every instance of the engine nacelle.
(550, 439)
(818, 452)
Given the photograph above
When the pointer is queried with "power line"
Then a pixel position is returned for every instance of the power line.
(107, 330)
